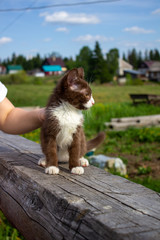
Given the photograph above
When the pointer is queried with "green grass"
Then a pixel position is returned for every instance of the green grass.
(120, 94)
(7, 232)
(148, 182)
(37, 95)
(101, 113)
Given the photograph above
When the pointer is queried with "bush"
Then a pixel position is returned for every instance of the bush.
(16, 78)
(133, 82)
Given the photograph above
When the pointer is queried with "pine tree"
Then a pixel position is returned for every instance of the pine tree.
(83, 60)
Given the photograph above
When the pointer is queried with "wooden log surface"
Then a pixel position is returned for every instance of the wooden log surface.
(137, 122)
(96, 205)
(138, 119)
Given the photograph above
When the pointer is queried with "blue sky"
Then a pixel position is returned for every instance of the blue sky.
(123, 24)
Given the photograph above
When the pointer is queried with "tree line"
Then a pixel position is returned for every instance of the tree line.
(102, 68)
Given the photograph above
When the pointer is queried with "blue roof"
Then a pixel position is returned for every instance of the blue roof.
(14, 67)
(51, 68)
(131, 71)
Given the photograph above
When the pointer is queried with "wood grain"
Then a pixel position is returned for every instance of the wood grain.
(96, 205)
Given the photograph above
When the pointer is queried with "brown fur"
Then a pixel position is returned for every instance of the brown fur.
(72, 88)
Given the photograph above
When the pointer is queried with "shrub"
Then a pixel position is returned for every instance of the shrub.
(16, 78)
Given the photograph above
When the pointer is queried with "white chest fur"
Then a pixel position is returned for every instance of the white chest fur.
(69, 119)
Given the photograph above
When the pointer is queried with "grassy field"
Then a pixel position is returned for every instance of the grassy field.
(138, 148)
(37, 95)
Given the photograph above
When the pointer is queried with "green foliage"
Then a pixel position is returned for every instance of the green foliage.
(148, 182)
(16, 78)
(101, 113)
(84, 60)
(28, 64)
(7, 232)
(135, 58)
(21, 77)
(144, 170)
(70, 63)
(133, 82)
(97, 68)
(112, 61)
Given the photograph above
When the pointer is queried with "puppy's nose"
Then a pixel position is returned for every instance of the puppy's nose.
(92, 101)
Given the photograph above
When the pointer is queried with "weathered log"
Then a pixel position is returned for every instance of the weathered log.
(137, 122)
(96, 205)
(138, 119)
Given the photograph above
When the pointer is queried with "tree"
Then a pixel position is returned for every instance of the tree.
(156, 55)
(146, 55)
(132, 58)
(151, 55)
(84, 60)
(97, 64)
(139, 59)
(124, 57)
(112, 61)
(70, 63)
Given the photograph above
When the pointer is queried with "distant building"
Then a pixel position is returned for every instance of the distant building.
(132, 73)
(53, 66)
(123, 68)
(2, 69)
(150, 70)
(11, 69)
(123, 65)
(36, 72)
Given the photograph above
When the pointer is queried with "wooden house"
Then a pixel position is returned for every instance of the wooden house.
(53, 66)
(151, 70)
(11, 69)
(123, 67)
(2, 69)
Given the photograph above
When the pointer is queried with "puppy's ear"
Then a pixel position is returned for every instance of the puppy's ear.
(81, 72)
(72, 79)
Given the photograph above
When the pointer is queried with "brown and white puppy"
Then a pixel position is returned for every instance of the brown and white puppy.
(62, 135)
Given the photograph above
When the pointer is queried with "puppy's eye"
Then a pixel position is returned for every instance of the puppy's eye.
(87, 95)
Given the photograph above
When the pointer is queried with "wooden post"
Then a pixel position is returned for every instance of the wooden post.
(96, 205)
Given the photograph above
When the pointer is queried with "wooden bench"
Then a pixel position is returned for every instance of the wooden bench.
(145, 98)
(96, 205)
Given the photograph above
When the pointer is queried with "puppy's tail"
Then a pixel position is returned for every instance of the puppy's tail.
(93, 143)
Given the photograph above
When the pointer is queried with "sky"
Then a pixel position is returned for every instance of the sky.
(69, 26)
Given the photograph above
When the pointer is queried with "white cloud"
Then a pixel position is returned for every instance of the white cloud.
(5, 40)
(90, 38)
(129, 44)
(157, 11)
(47, 39)
(70, 18)
(137, 30)
(62, 29)
(158, 40)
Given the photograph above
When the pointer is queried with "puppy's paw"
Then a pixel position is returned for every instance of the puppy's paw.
(77, 170)
(52, 170)
(42, 162)
(84, 162)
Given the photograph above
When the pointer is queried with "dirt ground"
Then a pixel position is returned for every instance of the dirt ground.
(143, 164)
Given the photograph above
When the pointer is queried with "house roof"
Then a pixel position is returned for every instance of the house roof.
(148, 63)
(155, 67)
(14, 67)
(134, 72)
(54, 61)
(51, 68)
(125, 65)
